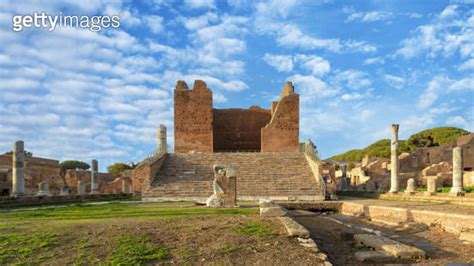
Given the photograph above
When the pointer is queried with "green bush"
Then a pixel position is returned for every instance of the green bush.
(115, 169)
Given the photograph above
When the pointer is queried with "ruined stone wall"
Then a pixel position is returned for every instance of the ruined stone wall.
(143, 174)
(239, 129)
(193, 118)
(72, 176)
(282, 133)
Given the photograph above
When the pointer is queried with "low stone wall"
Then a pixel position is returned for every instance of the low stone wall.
(7, 202)
(313, 206)
(453, 223)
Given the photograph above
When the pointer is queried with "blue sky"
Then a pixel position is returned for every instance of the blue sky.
(358, 66)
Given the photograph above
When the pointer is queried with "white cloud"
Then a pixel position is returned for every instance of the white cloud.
(291, 36)
(200, 4)
(311, 87)
(352, 79)
(394, 81)
(371, 16)
(468, 65)
(446, 35)
(459, 121)
(155, 23)
(441, 84)
(317, 66)
(282, 63)
(374, 60)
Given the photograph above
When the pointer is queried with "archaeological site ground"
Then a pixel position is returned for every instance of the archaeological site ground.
(234, 132)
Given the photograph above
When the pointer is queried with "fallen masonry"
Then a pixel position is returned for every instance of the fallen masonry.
(392, 247)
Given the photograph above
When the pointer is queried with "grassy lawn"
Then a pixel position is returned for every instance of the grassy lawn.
(141, 233)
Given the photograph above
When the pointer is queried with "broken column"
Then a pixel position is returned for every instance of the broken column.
(18, 171)
(394, 160)
(94, 170)
(43, 189)
(162, 144)
(411, 188)
(344, 181)
(64, 190)
(225, 187)
(458, 171)
(431, 186)
(81, 188)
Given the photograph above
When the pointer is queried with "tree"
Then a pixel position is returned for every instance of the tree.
(116, 168)
(73, 164)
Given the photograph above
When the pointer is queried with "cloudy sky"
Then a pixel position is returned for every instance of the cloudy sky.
(358, 66)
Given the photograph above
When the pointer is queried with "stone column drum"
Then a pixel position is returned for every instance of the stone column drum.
(431, 186)
(411, 188)
(162, 144)
(94, 170)
(394, 160)
(81, 188)
(458, 171)
(18, 169)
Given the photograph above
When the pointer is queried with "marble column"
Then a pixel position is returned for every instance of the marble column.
(94, 183)
(394, 160)
(458, 171)
(431, 186)
(18, 169)
(81, 188)
(162, 144)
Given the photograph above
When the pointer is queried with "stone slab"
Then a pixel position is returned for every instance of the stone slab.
(390, 246)
(276, 211)
(373, 256)
(467, 236)
(293, 228)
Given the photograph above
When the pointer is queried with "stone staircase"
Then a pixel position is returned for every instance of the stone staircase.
(279, 176)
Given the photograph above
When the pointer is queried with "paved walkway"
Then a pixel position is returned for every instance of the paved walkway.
(428, 206)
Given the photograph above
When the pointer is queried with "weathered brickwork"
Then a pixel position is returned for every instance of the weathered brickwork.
(193, 118)
(282, 133)
(200, 128)
(239, 129)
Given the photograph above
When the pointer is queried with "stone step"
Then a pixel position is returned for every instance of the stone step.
(390, 246)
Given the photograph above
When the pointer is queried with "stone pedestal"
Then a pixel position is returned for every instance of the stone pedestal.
(18, 169)
(394, 160)
(411, 188)
(64, 190)
(431, 186)
(81, 188)
(43, 189)
(94, 183)
(458, 171)
(225, 187)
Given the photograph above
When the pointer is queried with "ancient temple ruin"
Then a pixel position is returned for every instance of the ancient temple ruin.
(262, 144)
(200, 127)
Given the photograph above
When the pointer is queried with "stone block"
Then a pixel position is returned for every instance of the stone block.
(276, 211)
(373, 256)
(293, 228)
(390, 246)
(467, 236)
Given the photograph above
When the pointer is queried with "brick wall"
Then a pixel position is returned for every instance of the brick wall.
(239, 129)
(193, 118)
(282, 133)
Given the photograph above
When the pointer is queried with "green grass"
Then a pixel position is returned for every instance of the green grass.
(25, 246)
(256, 229)
(228, 248)
(113, 211)
(132, 250)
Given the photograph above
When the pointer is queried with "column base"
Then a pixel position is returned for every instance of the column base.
(457, 193)
(410, 192)
(393, 192)
(430, 193)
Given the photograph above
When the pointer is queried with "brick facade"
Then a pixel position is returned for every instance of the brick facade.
(199, 127)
